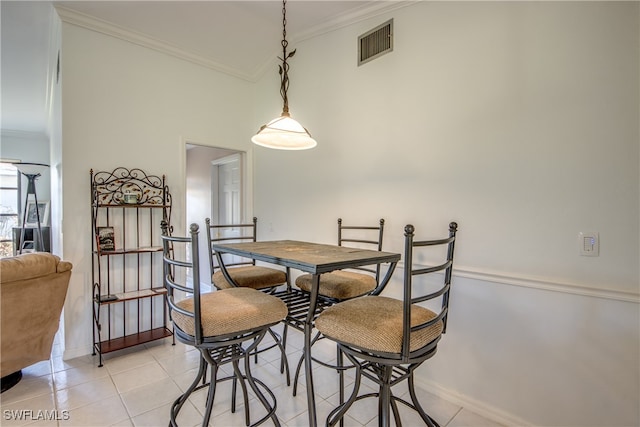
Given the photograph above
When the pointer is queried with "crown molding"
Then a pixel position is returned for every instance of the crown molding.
(98, 25)
(366, 11)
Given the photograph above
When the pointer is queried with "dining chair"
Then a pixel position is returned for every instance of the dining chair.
(346, 284)
(342, 285)
(225, 326)
(386, 338)
(243, 271)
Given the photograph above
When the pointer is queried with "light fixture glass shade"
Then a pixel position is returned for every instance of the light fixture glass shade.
(31, 168)
(284, 133)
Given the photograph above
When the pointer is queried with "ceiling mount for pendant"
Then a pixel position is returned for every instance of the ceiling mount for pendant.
(284, 132)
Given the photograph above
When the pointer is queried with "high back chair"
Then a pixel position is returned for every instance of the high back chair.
(224, 325)
(342, 285)
(243, 271)
(387, 339)
(345, 284)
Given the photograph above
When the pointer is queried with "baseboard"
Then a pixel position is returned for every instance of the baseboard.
(494, 414)
(76, 352)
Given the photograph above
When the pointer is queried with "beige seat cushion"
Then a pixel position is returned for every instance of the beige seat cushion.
(252, 276)
(375, 323)
(230, 311)
(340, 284)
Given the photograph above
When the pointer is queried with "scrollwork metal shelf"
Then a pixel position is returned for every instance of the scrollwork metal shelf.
(127, 207)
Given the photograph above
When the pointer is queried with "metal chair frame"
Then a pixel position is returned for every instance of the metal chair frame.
(328, 301)
(378, 242)
(389, 369)
(214, 263)
(215, 350)
(243, 237)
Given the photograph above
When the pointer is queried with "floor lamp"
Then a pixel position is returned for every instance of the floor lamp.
(32, 171)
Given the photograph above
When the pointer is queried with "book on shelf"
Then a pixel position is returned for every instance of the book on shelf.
(106, 238)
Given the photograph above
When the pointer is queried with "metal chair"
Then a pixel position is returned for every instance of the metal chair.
(343, 285)
(244, 272)
(387, 339)
(225, 326)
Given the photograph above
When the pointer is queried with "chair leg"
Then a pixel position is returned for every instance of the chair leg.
(177, 405)
(414, 399)
(238, 377)
(271, 410)
(211, 393)
(340, 362)
(384, 400)
(283, 359)
(234, 389)
(284, 363)
(297, 375)
(394, 408)
(338, 413)
(255, 355)
(300, 362)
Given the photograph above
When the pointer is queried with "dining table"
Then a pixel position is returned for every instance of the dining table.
(315, 259)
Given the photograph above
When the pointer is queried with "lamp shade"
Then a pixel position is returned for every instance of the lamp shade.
(31, 168)
(284, 133)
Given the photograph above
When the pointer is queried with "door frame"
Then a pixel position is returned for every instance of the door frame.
(247, 180)
(180, 221)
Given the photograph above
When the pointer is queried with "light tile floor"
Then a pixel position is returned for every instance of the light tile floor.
(136, 387)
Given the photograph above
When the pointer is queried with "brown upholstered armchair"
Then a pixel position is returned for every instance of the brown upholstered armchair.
(33, 288)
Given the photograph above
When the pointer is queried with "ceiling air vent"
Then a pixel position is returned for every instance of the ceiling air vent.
(375, 43)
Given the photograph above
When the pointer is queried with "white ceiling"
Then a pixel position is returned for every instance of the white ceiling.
(240, 38)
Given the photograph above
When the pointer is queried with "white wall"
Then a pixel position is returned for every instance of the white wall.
(55, 131)
(38, 147)
(520, 121)
(124, 105)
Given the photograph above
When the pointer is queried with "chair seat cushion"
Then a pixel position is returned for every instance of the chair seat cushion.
(374, 323)
(340, 285)
(230, 311)
(252, 276)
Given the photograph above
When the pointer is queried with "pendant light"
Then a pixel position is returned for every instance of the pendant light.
(284, 133)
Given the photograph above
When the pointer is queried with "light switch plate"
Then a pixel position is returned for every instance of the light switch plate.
(589, 242)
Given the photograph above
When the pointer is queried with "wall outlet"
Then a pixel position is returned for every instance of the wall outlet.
(589, 242)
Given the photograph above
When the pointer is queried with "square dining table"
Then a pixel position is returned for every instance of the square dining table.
(315, 259)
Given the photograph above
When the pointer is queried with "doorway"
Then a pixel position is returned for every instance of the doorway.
(216, 188)
(226, 189)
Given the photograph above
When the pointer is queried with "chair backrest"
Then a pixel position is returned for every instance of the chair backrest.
(369, 237)
(177, 273)
(429, 288)
(230, 233)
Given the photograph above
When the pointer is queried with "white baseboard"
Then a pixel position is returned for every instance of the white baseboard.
(471, 404)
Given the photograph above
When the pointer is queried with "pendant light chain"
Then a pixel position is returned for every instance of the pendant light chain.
(283, 132)
(284, 68)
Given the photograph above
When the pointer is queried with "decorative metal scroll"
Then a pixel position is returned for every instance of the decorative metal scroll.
(129, 187)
